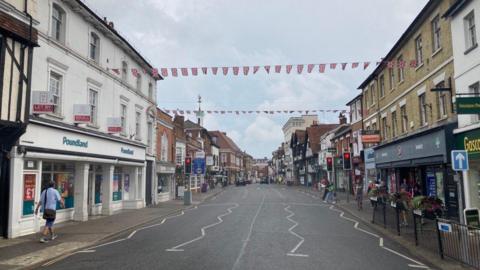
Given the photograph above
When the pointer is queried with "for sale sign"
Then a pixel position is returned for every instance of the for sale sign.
(42, 102)
(114, 125)
(81, 113)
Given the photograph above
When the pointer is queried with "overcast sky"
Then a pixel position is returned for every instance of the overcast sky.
(195, 33)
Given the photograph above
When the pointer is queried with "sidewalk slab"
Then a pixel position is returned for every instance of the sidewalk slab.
(27, 251)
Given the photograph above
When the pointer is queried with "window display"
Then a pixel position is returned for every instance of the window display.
(117, 184)
(29, 186)
(63, 174)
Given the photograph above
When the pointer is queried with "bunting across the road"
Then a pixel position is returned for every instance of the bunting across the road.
(246, 112)
(251, 70)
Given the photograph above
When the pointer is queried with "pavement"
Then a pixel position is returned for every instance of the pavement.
(27, 252)
(248, 227)
(427, 250)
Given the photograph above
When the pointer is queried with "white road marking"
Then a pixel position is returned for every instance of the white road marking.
(380, 240)
(279, 194)
(245, 241)
(202, 230)
(289, 217)
(297, 255)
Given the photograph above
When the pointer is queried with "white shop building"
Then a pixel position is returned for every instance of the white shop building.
(97, 141)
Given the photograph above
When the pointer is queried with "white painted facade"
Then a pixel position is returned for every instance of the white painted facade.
(97, 172)
(466, 56)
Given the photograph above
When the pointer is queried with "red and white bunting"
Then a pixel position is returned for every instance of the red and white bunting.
(184, 71)
(245, 70)
(344, 65)
(413, 63)
(214, 70)
(174, 72)
(235, 70)
(365, 65)
(164, 72)
(391, 64)
(299, 69)
(204, 70)
(310, 68)
(278, 68)
(194, 71)
(225, 70)
(321, 68)
(255, 69)
(289, 68)
(135, 72)
(155, 73)
(354, 65)
(267, 69)
(333, 65)
(401, 64)
(116, 70)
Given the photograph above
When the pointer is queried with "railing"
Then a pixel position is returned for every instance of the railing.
(459, 242)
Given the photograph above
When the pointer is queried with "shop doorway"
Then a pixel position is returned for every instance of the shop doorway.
(148, 188)
(4, 191)
(95, 178)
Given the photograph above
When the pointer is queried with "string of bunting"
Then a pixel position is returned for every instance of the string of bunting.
(246, 70)
(238, 112)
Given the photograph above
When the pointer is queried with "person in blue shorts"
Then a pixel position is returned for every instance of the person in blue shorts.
(48, 201)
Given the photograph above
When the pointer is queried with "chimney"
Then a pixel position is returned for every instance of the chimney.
(179, 119)
(342, 119)
(105, 19)
(111, 25)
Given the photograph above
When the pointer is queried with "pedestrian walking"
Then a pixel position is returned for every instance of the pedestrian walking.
(48, 201)
(330, 194)
(359, 193)
(324, 184)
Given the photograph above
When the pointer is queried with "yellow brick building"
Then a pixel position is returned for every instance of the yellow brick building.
(414, 120)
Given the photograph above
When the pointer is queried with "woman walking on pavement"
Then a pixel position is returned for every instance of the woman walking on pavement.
(359, 193)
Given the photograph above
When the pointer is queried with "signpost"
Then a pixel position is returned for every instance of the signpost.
(460, 160)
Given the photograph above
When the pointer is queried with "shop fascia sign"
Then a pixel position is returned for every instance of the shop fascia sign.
(470, 142)
(468, 105)
(81, 113)
(114, 124)
(370, 136)
(42, 102)
(73, 142)
(127, 151)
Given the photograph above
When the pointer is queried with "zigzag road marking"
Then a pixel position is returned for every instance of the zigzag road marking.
(292, 252)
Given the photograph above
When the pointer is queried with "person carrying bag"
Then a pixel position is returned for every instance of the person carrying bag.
(48, 200)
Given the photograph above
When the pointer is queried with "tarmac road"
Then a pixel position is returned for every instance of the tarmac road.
(252, 227)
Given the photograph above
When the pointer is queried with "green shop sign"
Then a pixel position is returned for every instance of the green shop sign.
(469, 141)
(77, 142)
(468, 105)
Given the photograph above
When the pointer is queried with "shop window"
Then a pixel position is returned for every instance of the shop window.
(163, 183)
(117, 184)
(63, 174)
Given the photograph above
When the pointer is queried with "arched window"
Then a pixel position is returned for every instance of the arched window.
(94, 47)
(164, 148)
(58, 23)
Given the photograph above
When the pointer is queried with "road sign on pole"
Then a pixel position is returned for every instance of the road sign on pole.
(460, 160)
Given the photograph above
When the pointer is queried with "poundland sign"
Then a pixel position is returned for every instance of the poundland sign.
(77, 142)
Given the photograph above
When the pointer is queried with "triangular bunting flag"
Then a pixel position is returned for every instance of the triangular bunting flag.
(255, 69)
(344, 65)
(204, 70)
(174, 72)
(116, 70)
(413, 63)
(164, 72)
(267, 69)
(289, 68)
(321, 68)
(333, 65)
(365, 65)
(310, 68)
(278, 68)
(184, 71)
(245, 70)
(235, 70)
(214, 70)
(225, 70)
(135, 72)
(355, 65)
(194, 71)
(299, 69)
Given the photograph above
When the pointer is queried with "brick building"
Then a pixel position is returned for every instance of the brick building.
(165, 137)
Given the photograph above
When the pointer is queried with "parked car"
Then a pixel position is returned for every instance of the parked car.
(240, 182)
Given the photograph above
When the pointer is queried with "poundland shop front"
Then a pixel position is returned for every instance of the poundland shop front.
(95, 174)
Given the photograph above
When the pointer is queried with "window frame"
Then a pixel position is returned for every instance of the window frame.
(95, 46)
(422, 102)
(391, 74)
(436, 34)
(470, 31)
(93, 107)
(441, 99)
(384, 127)
(58, 32)
(394, 123)
(58, 107)
(404, 117)
(138, 125)
(381, 82)
(475, 90)
(124, 71)
(164, 147)
(400, 69)
(139, 83)
(150, 91)
(419, 50)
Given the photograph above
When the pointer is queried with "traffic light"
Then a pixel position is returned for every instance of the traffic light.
(329, 164)
(347, 161)
(188, 165)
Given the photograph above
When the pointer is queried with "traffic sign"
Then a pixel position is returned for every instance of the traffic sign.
(459, 160)
(199, 166)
